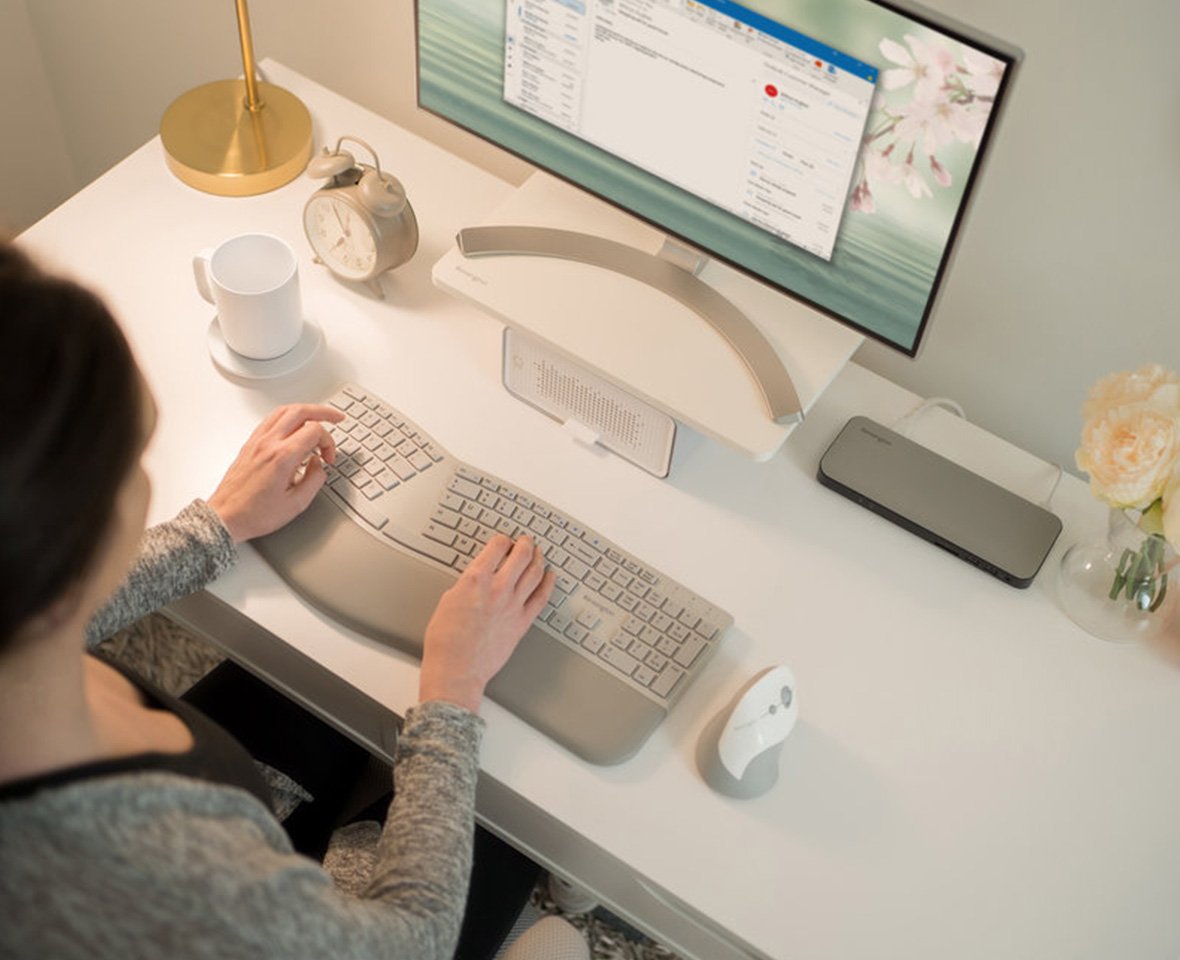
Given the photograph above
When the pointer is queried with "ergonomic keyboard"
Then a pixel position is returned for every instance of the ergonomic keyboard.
(399, 519)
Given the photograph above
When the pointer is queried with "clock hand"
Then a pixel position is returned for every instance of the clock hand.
(340, 220)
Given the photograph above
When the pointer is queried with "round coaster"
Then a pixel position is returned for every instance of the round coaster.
(237, 367)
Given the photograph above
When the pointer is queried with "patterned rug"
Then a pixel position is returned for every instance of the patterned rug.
(174, 659)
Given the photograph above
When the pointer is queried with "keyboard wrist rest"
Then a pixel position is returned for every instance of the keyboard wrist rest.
(380, 590)
(387, 593)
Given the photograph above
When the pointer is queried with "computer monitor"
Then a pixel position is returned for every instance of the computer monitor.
(827, 149)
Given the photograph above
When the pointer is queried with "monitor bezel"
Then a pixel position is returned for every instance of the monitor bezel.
(1012, 55)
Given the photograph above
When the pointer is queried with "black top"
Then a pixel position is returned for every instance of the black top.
(215, 755)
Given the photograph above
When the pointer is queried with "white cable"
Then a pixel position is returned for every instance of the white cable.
(904, 423)
(947, 404)
(1056, 483)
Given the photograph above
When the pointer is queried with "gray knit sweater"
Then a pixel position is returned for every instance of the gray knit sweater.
(163, 866)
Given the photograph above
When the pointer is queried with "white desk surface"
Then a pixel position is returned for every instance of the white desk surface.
(972, 776)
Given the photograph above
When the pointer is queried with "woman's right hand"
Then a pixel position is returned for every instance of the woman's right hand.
(479, 621)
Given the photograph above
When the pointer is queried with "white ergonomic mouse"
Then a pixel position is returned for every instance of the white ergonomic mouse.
(738, 750)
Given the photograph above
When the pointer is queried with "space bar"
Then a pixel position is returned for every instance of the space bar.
(436, 551)
(357, 501)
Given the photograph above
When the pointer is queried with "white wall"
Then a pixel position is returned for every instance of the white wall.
(1065, 270)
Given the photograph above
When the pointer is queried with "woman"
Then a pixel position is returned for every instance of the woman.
(130, 825)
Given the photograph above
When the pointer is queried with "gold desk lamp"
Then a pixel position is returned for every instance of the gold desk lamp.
(237, 138)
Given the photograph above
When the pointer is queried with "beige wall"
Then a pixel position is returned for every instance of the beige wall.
(36, 172)
(1065, 271)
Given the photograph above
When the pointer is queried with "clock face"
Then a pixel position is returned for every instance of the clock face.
(341, 236)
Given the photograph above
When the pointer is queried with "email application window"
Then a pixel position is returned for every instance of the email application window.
(740, 110)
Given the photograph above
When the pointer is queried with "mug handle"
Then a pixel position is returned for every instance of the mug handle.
(202, 275)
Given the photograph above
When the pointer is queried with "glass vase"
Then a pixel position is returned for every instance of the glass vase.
(1118, 588)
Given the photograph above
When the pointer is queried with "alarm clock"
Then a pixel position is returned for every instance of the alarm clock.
(360, 223)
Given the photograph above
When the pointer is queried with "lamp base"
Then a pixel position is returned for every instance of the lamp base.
(213, 142)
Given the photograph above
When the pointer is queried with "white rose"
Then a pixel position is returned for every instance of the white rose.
(1151, 383)
(1130, 453)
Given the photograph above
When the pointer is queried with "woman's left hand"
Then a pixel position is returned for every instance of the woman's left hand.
(277, 472)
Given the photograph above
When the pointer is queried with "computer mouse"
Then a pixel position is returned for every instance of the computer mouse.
(738, 750)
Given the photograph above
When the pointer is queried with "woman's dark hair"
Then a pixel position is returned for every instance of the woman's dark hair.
(70, 392)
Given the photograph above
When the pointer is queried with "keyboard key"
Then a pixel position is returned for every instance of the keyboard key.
(448, 518)
(441, 534)
(581, 551)
(589, 618)
(666, 682)
(464, 487)
(620, 660)
(402, 468)
(689, 651)
(440, 553)
(643, 675)
(641, 651)
(373, 516)
(706, 630)
(672, 608)
(420, 461)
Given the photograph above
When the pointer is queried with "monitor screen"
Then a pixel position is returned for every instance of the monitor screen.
(825, 148)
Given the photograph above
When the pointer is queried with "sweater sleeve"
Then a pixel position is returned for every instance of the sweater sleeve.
(162, 865)
(175, 559)
(424, 855)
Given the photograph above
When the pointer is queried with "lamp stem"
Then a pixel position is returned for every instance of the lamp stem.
(253, 102)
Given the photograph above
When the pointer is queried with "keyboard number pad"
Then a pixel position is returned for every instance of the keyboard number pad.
(632, 620)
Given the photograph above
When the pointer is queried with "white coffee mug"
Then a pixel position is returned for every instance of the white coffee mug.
(253, 281)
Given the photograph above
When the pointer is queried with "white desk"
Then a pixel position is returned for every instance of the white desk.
(972, 776)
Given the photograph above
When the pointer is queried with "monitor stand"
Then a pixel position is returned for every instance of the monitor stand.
(666, 271)
(638, 323)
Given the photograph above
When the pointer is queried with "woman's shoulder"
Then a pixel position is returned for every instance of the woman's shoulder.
(112, 808)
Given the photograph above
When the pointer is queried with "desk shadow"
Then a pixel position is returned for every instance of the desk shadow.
(314, 383)
(827, 797)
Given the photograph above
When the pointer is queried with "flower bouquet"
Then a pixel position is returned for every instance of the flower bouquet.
(1131, 451)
